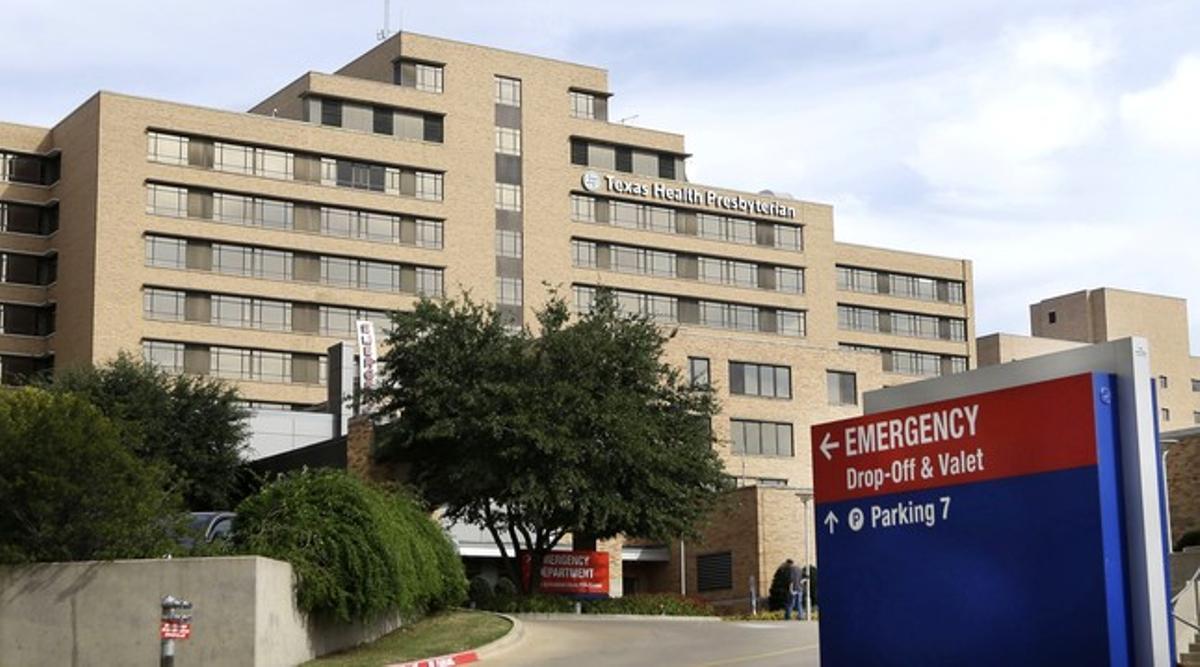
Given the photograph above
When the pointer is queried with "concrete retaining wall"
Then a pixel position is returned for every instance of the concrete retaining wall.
(106, 613)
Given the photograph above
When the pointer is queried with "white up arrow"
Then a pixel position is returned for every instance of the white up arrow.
(827, 446)
(831, 521)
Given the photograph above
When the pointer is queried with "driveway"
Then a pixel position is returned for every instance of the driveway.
(620, 641)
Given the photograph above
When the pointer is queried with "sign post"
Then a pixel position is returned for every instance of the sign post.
(987, 520)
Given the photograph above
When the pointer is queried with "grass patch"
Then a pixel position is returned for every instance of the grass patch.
(444, 633)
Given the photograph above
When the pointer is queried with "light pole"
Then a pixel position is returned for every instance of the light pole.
(806, 495)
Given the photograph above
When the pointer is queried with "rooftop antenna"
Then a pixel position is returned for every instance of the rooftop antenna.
(628, 118)
(387, 21)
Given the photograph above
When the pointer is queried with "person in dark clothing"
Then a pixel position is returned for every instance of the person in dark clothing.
(795, 590)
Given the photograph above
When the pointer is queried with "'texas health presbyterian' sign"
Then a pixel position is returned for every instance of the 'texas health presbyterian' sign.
(982, 530)
(593, 181)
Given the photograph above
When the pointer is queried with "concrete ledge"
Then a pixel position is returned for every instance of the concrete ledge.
(615, 617)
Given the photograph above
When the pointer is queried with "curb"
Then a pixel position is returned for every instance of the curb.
(491, 649)
(515, 634)
(618, 617)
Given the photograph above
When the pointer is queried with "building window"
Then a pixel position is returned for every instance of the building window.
(508, 243)
(788, 279)
(166, 252)
(508, 291)
(698, 372)
(760, 380)
(163, 304)
(790, 323)
(167, 356)
(583, 254)
(1052, 316)
(167, 148)
(429, 282)
(233, 158)
(1166, 414)
(1162, 382)
(583, 105)
(1195, 384)
(789, 237)
(429, 78)
(842, 388)
(907, 362)
(508, 91)
(583, 209)
(429, 186)
(508, 141)
(508, 197)
(714, 572)
(759, 438)
(857, 280)
(1196, 417)
(429, 234)
(166, 200)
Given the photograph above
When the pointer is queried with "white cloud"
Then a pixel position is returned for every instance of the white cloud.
(1167, 116)
(1005, 122)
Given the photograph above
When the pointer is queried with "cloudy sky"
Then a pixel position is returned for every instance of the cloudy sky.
(1055, 143)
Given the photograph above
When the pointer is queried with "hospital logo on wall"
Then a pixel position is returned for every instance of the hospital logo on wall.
(591, 181)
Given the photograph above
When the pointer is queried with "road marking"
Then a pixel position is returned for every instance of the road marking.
(757, 656)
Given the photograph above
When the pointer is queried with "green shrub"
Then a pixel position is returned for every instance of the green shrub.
(651, 604)
(69, 488)
(1189, 539)
(357, 551)
(777, 596)
(479, 592)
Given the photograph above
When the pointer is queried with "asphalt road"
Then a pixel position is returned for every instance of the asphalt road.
(652, 641)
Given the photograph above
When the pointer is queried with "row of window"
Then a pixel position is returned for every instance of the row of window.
(28, 169)
(269, 263)
(424, 76)
(399, 123)
(651, 164)
(178, 202)
(912, 362)
(749, 379)
(17, 218)
(236, 363)
(285, 165)
(669, 264)
(24, 320)
(871, 281)
(761, 438)
(897, 323)
(245, 312)
(591, 106)
(683, 310)
(686, 223)
(21, 269)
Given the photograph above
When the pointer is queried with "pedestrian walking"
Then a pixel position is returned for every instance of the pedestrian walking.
(795, 590)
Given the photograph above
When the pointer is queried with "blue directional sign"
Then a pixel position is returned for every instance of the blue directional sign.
(982, 530)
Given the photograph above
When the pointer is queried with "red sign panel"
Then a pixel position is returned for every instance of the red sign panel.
(174, 630)
(991, 435)
(571, 572)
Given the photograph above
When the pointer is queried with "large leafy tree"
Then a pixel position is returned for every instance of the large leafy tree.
(69, 490)
(583, 428)
(193, 427)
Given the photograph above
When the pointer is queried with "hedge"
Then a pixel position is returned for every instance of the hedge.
(357, 551)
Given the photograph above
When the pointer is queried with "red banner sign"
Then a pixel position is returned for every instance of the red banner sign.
(571, 572)
(169, 630)
(991, 435)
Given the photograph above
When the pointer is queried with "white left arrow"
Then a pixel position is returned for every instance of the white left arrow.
(831, 521)
(827, 446)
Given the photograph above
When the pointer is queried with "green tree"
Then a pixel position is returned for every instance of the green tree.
(583, 428)
(192, 426)
(69, 490)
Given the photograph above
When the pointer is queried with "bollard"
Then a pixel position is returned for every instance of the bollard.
(174, 623)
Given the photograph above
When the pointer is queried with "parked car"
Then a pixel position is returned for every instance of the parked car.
(209, 527)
